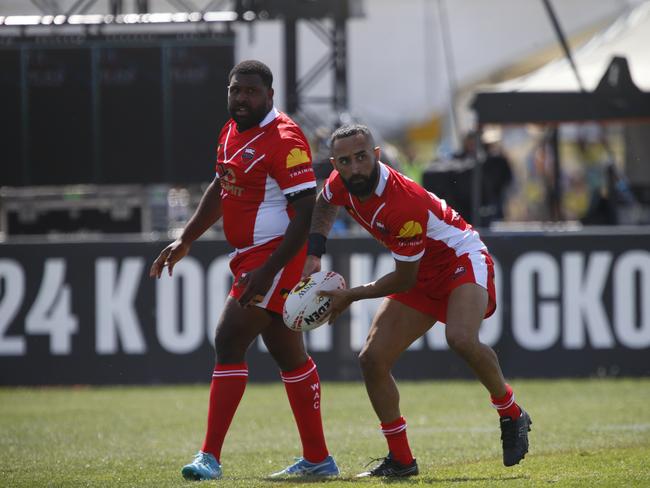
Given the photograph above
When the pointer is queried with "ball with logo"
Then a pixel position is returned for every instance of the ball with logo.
(304, 308)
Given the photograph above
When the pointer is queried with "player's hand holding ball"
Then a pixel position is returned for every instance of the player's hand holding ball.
(307, 306)
(340, 300)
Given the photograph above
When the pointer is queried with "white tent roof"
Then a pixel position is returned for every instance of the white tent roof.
(628, 36)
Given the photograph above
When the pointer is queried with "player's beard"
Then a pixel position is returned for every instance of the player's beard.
(251, 119)
(362, 186)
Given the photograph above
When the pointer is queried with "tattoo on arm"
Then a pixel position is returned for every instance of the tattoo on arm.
(324, 216)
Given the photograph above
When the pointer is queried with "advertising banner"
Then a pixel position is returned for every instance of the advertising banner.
(88, 313)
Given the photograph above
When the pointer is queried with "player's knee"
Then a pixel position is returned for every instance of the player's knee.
(221, 340)
(230, 356)
(460, 340)
(228, 349)
(372, 362)
(291, 362)
(288, 358)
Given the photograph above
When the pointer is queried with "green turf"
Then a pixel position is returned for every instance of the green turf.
(585, 433)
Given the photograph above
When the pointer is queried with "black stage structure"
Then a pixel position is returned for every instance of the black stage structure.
(96, 94)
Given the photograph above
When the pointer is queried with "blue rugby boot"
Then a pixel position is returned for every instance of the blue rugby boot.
(204, 467)
(302, 467)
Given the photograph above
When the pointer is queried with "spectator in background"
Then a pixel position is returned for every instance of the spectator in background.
(413, 165)
(451, 179)
(496, 177)
(611, 201)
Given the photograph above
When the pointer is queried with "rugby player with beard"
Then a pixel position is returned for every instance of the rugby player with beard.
(443, 272)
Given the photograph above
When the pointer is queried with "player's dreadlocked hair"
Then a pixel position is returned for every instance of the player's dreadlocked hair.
(253, 67)
(352, 130)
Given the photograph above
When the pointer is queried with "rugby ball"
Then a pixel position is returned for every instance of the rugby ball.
(304, 309)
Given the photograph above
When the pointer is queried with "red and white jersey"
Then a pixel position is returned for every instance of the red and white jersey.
(256, 169)
(410, 221)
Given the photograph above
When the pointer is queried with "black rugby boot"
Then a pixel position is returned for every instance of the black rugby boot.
(390, 468)
(514, 438)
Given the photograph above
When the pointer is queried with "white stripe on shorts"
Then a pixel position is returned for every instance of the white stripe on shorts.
(480, 268)
(269, 293)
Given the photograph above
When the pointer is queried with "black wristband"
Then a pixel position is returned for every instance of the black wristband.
(316, 244)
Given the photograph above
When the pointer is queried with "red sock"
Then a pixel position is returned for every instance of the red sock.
(506, 405)
(303, 389)
(398, 443)
(226, 390)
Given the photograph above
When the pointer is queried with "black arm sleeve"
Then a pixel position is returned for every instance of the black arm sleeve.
(292, 197)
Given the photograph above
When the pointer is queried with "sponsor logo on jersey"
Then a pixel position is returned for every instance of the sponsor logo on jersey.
(410, 242)
(229, 175)
(381, 227)
(248, 153)
(227, 179)
(409, 230)
(295, 172)
(460, 271)
(297, 157)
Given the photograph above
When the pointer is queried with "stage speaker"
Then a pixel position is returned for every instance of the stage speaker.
(59, 116)
(198, 79)
(11, 156)
(131, 122)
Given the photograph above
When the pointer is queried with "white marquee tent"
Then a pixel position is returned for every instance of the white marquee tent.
(614, 67)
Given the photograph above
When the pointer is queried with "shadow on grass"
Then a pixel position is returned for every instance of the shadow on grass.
(308, 479)
(414, 480)
(464, 479)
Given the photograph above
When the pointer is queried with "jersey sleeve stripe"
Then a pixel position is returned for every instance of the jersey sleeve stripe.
(327, 193)
(302, 186)
(408, 259)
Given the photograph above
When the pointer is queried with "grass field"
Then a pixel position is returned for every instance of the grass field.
(585, 433)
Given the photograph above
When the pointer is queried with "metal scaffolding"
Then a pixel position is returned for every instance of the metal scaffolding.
(99, 18)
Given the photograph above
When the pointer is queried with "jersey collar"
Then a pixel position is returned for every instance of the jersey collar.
(270, 117)
(383, 178)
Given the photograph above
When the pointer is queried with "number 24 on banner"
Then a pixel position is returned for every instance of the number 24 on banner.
(49, 314)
